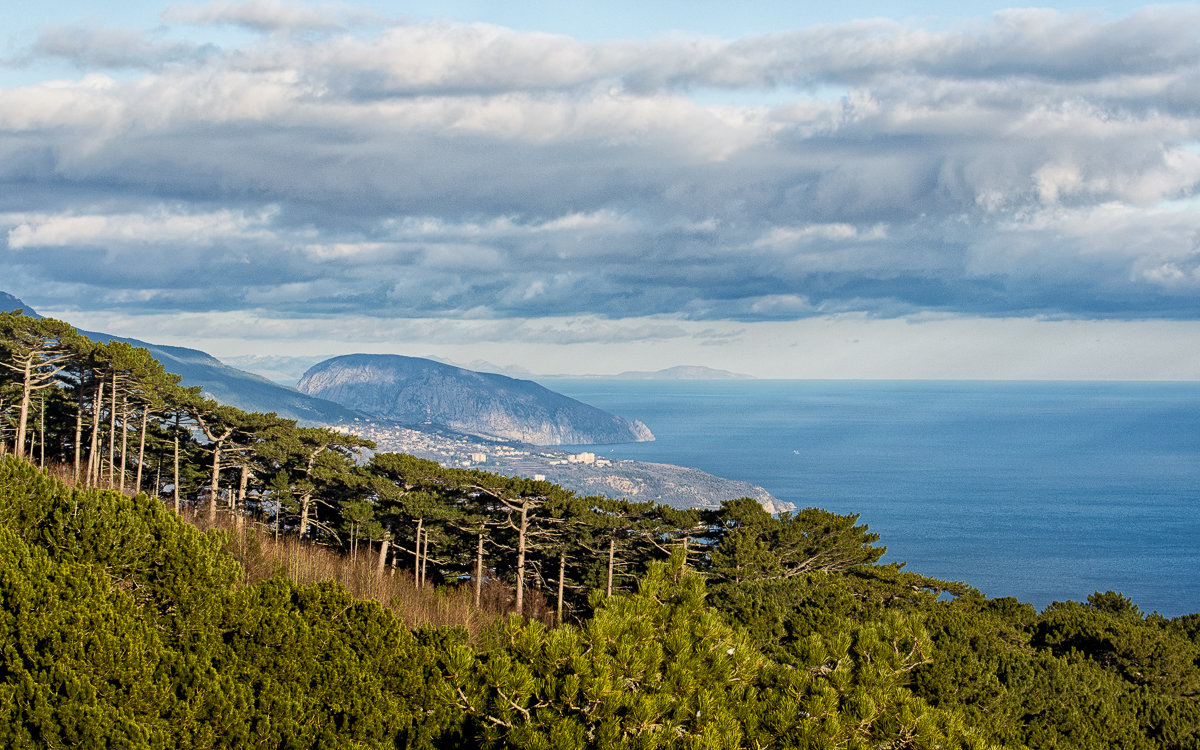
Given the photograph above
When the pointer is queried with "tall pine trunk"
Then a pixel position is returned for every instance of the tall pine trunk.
(93, 477)
(612, 549)
(78, 434)
(424, 558)
(240, 508)
(478, 570)
(112, 433)
(42, 434)
(23, 417)
(124, 440)
(141, 449)
(175, 489)
(382, 563)
(521, 539)
(216, 479)
(562, 571)
(305, 501)
(417, 555)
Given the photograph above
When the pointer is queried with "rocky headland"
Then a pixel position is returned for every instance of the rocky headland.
(414, 390)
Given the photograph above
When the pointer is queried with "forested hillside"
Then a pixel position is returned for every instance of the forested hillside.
(228, 385)
(633, 625)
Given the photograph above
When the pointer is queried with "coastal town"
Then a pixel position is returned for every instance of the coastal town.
(581, 471)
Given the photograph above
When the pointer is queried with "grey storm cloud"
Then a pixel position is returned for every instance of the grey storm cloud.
(1033, 163)
(272, 16)
(115, 49)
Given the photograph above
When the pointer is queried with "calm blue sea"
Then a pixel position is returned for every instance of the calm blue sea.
(1043, 491)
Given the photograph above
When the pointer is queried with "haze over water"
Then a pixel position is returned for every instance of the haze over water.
(1040, 490)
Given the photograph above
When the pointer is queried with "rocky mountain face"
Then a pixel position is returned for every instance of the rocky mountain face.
(415, 390)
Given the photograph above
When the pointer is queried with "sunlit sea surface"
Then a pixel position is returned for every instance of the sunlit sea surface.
(1042, 491)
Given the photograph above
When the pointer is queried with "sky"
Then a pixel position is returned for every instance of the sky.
(850, 190)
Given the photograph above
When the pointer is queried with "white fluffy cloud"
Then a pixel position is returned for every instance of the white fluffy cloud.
(1033, 163)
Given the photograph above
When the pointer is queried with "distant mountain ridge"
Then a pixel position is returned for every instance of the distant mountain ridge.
(416, 390)
(227, 385)
(9, 303)
(683, 372)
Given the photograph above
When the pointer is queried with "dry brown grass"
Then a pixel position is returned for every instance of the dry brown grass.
(305, 562)
(262, 557)
(302, 562)
(63, 472)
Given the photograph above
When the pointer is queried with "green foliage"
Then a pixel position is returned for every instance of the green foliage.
(1076, 676)
(654, 669)
(661, 669)
(750, 544)
(79, 659)
(121, 625)
(124, 626)
(136, 542)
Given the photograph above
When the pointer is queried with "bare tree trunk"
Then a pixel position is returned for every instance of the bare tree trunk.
(417, 555)
(612, 548)
(42, 433)
(479, 570)
(562, 571)
(305, 500)
(93, 477)
(112, 433)
(142, 449)
(382, 563)
(524, 529)
(175, 489)
(23, 419)
(424, 558)
(124, 440)
(78, 434)
(216, 479)
(240, 507)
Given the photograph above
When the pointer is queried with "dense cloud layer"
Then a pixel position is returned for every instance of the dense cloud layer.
(1032, 164)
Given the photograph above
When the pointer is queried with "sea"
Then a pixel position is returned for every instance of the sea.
(1043, 491)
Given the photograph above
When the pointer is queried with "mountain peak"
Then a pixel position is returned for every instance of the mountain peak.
(9, 303)
(416, 390)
